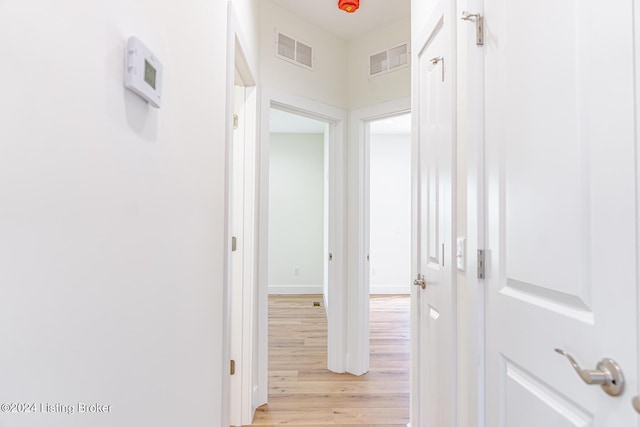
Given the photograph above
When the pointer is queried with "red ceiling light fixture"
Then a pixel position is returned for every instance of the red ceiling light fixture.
(349, 6)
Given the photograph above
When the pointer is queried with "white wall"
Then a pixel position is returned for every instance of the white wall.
(390, 214)
(365, 91)
(111, 213)
(326, 83)
(340, 77)
(296, 213)
(248, 13)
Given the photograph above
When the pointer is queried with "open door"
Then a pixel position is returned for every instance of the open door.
(433, 297)
(561, 213)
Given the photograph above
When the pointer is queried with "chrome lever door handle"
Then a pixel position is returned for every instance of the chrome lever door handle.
(636, 403)
(607, 374)
(420, 282)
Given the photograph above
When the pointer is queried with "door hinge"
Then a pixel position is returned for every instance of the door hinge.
(234, 244)
(480, 263)
(368, 257)
(235, 121)
(233, 367)
(479, 21)
(330, 256)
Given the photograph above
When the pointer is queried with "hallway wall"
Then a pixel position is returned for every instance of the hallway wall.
(111, 213)
(340, 77)
(248, 13)
(296, 213)
(326, 83)
(390, 214)
(365, 91)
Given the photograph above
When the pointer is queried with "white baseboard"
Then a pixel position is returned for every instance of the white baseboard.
(389, 290)
(295, 289)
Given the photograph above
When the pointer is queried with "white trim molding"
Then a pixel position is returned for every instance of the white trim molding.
(240, 401)
(401, 289)
(295, 289)
(358, 271)
(336, 300)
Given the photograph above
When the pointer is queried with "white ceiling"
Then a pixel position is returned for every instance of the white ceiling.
(372, 14)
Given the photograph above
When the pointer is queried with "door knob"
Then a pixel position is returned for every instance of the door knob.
(420, 282)
(607, 374)
(636, 403)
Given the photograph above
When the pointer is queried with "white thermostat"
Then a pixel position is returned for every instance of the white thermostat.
(143, 72)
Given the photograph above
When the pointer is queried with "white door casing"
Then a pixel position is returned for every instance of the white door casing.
(433, 154)
(470, 211)
(237, 255)
(240, 330)
(561, 210)
(358, 226)
(336, 300)
(243, 290)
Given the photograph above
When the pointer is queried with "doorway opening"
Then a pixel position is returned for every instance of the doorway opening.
(298, 205)
(384, 120)
(333, 219)
(389, 205)
(388, 234)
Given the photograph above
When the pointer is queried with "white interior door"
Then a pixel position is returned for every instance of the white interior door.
(561, 210)
(434, 316)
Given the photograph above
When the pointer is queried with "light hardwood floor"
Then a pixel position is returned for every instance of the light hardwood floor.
(302, 392)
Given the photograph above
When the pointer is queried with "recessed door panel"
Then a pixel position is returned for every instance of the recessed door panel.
(561, 216)
(434, 147)
(524, 393)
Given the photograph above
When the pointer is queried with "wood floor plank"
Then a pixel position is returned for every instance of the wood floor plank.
(302, 392)
(315, 400)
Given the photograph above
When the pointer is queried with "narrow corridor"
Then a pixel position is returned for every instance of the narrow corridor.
(302, 392)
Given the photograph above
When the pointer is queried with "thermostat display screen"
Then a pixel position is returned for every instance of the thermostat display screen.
(142, 72)
(149, 74)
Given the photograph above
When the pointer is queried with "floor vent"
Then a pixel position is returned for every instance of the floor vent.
(388, 60)
(294, 51)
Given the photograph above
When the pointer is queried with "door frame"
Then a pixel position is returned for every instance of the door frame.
(244, 401)
(471, 218)
(358, 270)
(636, 42)
(336, 300)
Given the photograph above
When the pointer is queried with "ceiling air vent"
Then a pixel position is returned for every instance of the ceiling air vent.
(294, 51)
(389, 60)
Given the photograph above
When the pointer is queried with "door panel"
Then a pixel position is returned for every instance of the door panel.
(561, 231)
(524, 393)
(434, 320)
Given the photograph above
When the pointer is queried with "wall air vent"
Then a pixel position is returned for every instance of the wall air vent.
(389, 60)
(294, 51)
